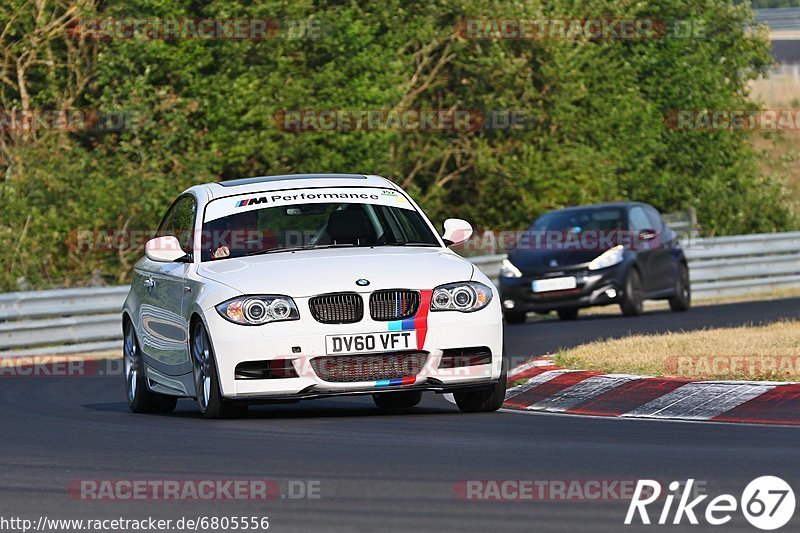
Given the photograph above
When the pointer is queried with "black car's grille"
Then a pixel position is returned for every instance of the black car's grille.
(339, 308)
(395, 304)
(351, 368)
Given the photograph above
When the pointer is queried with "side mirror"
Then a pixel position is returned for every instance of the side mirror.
(647, 234)
(164, 249)
(456, 231)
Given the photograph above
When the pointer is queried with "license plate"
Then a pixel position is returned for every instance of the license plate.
(554, 284)
(389, 341)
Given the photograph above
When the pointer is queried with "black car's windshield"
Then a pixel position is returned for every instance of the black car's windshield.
(313, 225)
(578, 220)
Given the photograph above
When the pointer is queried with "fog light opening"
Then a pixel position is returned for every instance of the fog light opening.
(611, 293)
(509, 304)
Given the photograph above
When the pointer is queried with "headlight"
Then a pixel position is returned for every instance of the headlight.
(508, 270)
(608, 258)
(466, 297)
(257, 310)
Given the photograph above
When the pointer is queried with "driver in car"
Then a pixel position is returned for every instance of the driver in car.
(237, 229)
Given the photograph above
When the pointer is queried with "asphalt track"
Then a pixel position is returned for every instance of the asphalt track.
(382, 471)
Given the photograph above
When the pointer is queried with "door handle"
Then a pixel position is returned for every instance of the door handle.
(149, 283)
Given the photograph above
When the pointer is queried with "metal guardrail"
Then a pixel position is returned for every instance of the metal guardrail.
(61, 321)
(87, 320)
(780, 18)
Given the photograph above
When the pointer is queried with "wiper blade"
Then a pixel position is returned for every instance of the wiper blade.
(307, 247)
(276, 250)
(324, 246)
(407, 243)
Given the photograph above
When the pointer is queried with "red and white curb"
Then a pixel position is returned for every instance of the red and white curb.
(557, 390)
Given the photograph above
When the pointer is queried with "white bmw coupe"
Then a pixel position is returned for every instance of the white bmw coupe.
(284, 288)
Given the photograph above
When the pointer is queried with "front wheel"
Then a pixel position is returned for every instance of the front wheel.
(683, 294)
(397, 400)
(140, 398)
(484, 400)
(206, 380)
(633, 300)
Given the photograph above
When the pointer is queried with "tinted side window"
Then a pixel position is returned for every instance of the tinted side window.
(638, 220)
(179, 222)
(655, 219)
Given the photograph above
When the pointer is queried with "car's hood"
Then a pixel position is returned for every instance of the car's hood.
(310, 272)
(533, 261)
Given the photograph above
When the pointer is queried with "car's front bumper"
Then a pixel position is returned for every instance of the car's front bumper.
(302, 340)
(599, 287)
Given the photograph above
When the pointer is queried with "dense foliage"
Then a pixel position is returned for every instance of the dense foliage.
(594, 126)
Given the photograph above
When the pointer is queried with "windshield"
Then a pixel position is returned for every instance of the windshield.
(301, 226)
(578, 220)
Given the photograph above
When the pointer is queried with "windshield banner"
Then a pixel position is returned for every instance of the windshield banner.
(230, 205)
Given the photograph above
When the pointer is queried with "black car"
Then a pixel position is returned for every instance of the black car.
(594, 255)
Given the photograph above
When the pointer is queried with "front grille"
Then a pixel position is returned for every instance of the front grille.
(394, 304)
(340, 308)
(350, 368)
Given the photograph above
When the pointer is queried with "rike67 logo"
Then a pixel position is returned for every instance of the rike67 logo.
(767, 503)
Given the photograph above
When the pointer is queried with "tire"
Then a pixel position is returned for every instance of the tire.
(485, 400)
(683, 292)
(633, 300)
(514, 317)
(206, 381)
(140, 398)
(397, 400)
(568, 314)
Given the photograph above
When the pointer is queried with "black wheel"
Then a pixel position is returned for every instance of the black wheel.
(397, 400)
(568, 314)
(633, 300)
(484, 400)
(683, 293)
(514, 317)
(206, 381)
(140, 398)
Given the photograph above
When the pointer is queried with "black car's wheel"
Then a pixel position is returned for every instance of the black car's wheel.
(140, 398)
(206, 380)
(683, 293)
(484, 400)
(633, 299)
(397, 400)
(568, 314)
(514, 317)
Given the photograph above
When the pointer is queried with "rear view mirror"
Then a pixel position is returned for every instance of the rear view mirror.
(456, 231)
(164, 249)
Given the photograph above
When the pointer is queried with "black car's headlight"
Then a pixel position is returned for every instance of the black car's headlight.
(465, 297)
(257, 310)
(609, 258)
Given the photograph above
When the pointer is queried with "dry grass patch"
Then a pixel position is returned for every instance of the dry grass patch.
(769, 352)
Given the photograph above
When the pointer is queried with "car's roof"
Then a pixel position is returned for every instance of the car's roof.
(295, 181)
(607, 205)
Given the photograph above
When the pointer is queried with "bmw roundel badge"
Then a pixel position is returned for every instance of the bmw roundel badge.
(361, 282)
